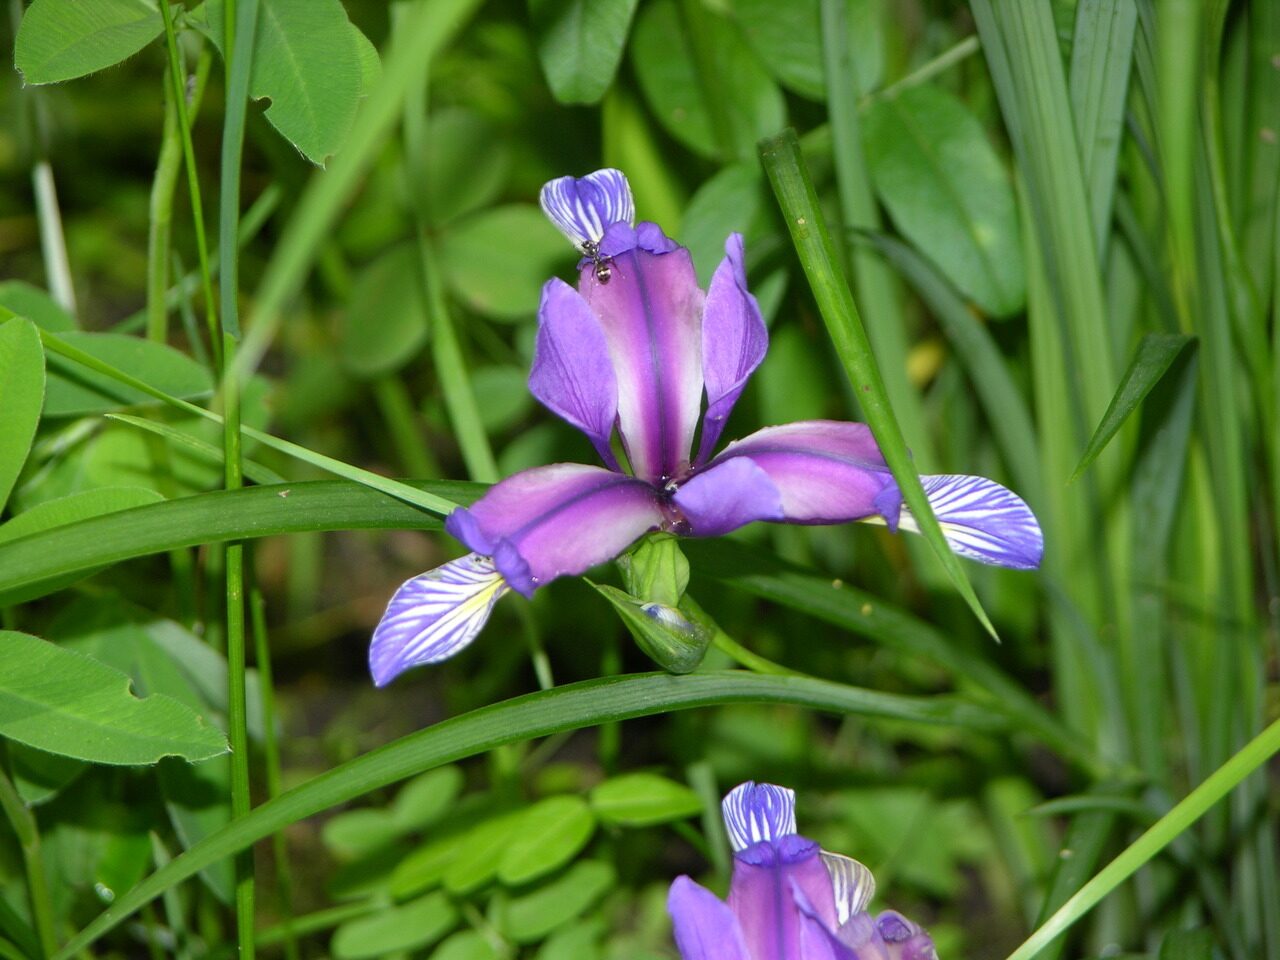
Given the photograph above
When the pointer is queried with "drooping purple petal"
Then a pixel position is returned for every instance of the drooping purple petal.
(727, 496)
(754, 812)
(826, 471)
(650, 309)
(705, 928)
(859, 932)
(583, 208)
(572, 374)
(852, 884)
(817, 940)
(434, 615)
(762, 895)
(734, 341)
(556, 520)
(982, 521)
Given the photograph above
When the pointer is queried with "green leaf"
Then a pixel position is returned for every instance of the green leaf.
(643, 799)
(411, 926)
(787, 38)
(63, 39)
(74, 508)
(36, 305)
(426, 866)
(73, 391)
(505, 389)
(307, 61)
(21, 398)
(568, 707)
(39, 776)
(477, 862)
(748, 103)
(666, 634)
(1150, 363)
(479, 260)
(425, 799)
(529, 918)
(461, 165)
(38, 563)
(580, 44)
(948, 194)
(736, 199)
(549, 835)
(183, 440)
(466, 945)
(1196, 944)
(358, 833)
(72, 705)
(385, 323)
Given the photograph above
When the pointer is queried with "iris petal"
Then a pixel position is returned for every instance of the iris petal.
(851, 882)
(705, 927)
(555, 521)
(754, 812)
(583, 208)
(982, 521)
(434, 615)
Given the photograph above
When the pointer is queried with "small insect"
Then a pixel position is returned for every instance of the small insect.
(604, 270)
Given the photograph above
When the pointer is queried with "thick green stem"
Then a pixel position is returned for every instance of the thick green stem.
(24, 825)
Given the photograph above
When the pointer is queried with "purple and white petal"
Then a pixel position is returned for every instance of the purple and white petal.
(762, 894)
(734, 341)
(434, 615)
(817, 940)
(826, 471)
(558, 520)
(982, 521)
(705, 928)
(584, 208)
(651, 312)
(754, 812)
(851, 883)
(572, 374)
(727, 496)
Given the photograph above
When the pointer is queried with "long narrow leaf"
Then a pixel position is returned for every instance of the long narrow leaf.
(535, 715)
(799, 203)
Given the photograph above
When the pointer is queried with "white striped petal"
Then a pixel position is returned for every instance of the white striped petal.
(852, 884)
(584, 208)
(982, 521)
(758, 811)
(434, 615)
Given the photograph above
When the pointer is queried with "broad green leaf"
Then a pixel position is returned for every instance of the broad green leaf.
(718, 111)
(36, 305)
(477, 862)
(577, 941)
(72, 705)
(460, 166)
(21, 398)
(503, 391)
(569, 707)
(1199, 944)
(530, 917)
(185, 440)
(63, 39)
(736, 199)
(1154, 356)
(498, 260)
(385, 323)
(947, 193)
(787, 37)
(643, 799)
(426, 866)
(357, 833)
(580, 44)
(77, 507)
(307, 61)
(424, 800)
(39, 776)
(95, 838)
(410, 926)
(466, 945)
(549, 835)
(73, 391)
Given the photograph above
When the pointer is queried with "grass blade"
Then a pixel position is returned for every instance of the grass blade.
(799, 203)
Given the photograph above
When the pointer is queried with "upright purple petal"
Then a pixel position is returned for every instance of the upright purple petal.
(726, 496)
(651, 311)
(754, 812)
(766, 878)
(584, 208)
(826, 471)
(734, 341)
(982, 521)
(705, 927)
(572, 374)
(556, 520)
(434, 615)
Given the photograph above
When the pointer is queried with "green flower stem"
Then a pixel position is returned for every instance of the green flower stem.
(799, 203)
(541, 714)
(168, 167)
(176, 74)
(23, 822)
(271, 752)
(1167, 829)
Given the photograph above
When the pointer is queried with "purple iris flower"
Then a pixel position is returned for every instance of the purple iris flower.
(640, 354)
(788, 900)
